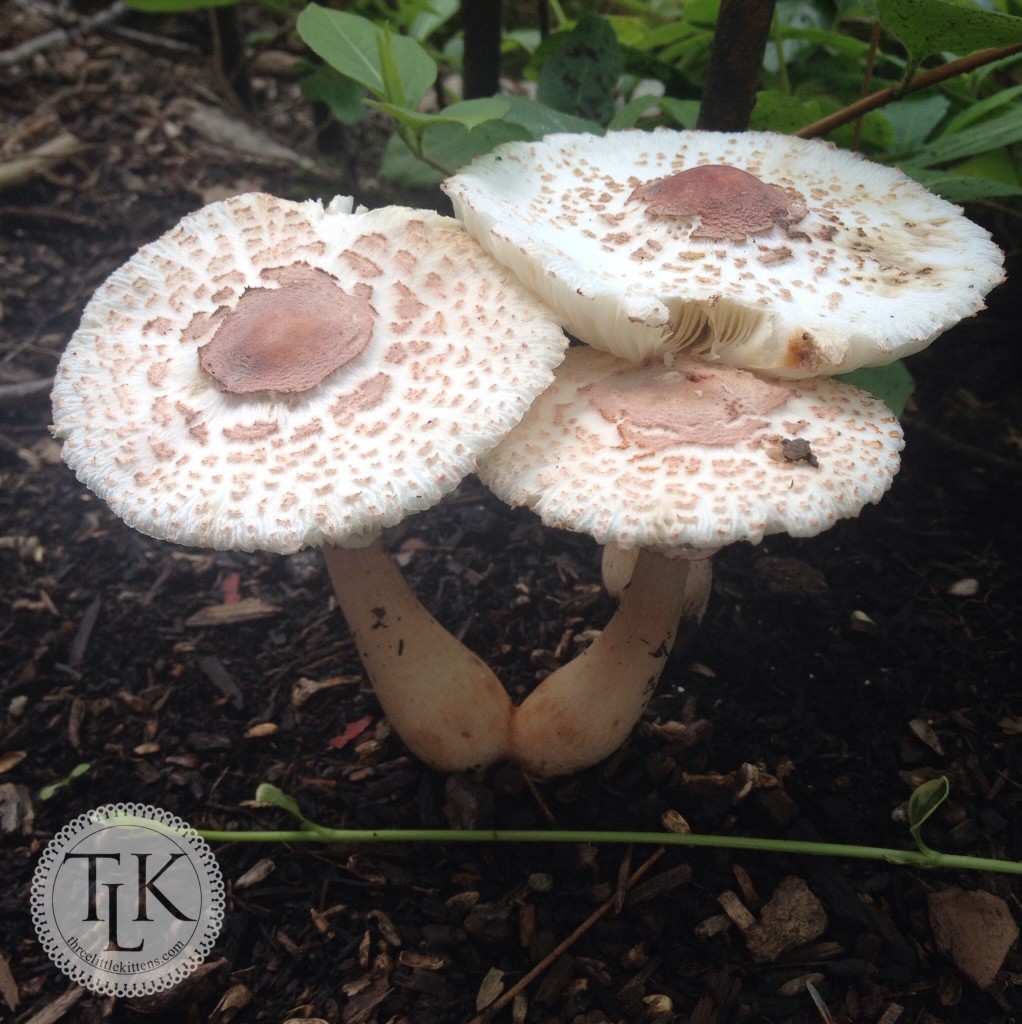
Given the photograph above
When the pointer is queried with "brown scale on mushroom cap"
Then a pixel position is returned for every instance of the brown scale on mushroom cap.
(730, 204)
(290, 338)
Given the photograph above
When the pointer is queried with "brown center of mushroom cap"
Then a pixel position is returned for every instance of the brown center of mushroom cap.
(654, 407)
(288, 339)
(729, 203)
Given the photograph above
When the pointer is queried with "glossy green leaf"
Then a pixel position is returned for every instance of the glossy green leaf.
(892, 384)
(350, 44)
(982, 108)
(580, 76)
(925, 799)
(932, 26)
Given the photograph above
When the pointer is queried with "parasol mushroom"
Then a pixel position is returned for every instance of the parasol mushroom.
(277, 375)
(677, 458)
(754, 249)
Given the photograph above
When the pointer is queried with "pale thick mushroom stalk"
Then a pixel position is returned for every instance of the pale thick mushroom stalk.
(677, 458)
(754, 249)
(276, 375)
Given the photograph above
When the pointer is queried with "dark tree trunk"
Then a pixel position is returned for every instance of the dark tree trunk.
(743, 28)
(481, 22)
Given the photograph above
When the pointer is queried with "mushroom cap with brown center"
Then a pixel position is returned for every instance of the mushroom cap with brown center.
(273, 374)
(755, 249)
(693, 456)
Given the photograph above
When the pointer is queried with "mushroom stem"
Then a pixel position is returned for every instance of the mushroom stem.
(585, 710)
(617, 565)
(443, 701)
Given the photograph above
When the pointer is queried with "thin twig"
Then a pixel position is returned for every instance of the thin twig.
(606, 906)
(872, 102)
(867, 81)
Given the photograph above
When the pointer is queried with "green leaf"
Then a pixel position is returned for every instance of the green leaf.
(925, 27)
(580, 76)
(342, 95)
(539, 119)
(914, 119)
(961, 188)
(981, 108)
(684, 113)
(468, 113)
(349, 44)
(778, 112)
(270, 794)
(925, 799)
(994, 133)
(449, 145)
(175, 6)
(892, 384)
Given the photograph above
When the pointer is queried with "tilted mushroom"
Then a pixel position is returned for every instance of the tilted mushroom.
(754, 249)
(275, 375)
(676, 457)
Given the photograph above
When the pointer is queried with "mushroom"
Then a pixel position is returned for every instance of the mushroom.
(277, 375)
(754, 249)
(675, 457)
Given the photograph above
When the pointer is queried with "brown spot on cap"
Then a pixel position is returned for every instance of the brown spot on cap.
(728, 203)
(689, 406)
(289, 338)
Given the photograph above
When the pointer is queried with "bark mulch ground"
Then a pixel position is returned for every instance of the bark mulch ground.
(828, 679)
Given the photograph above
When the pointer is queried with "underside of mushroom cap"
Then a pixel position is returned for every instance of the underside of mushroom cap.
(862, 266)
(198, 430)
(691, 455)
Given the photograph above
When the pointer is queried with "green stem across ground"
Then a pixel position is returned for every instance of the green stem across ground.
(909, 858)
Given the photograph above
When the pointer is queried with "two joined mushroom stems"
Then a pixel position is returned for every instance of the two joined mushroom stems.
(452, 711)
(442, 700)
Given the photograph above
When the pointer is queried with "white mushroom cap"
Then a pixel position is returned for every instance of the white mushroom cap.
(814, 261)
(183, 402)
(692, 455)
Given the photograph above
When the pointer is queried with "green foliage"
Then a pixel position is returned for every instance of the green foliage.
(892, 384)
(926, 27)
(581, 73)
(962, 138)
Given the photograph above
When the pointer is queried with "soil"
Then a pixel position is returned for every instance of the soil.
(828, 678)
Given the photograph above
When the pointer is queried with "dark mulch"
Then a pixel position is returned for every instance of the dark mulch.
(828, 679)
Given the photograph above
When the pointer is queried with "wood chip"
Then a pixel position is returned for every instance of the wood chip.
(54, 1011)
(975, 929)
(258, 872)
(11, 760)
(8, 986)
(262, 730)
(736, 910)
(792, 917)
(490, 989)
(248, 609)
(17, 815)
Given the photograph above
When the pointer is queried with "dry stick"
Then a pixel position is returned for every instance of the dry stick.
(607, 905)
(957, 67)
(739, 41)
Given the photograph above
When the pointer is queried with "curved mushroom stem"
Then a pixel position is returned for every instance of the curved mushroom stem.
(443, 701)
(584, 710)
